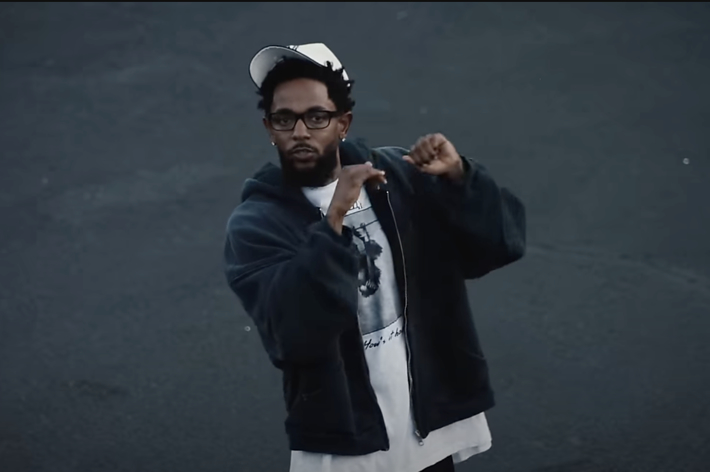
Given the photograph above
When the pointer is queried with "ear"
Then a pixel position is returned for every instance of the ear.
(268, 129)
(344, 122)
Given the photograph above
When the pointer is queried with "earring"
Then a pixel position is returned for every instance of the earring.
(273, 143)
(342, 139)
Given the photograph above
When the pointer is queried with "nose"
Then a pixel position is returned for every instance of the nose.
(300, 131)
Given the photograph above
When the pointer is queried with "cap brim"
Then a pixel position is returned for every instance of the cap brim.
(266, 59)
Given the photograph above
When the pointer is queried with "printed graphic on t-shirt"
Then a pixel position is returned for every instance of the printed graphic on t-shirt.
(369, 274)
(375, 339)
(378, 303)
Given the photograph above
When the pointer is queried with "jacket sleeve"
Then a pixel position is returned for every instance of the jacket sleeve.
(300, 297)
(487, 222)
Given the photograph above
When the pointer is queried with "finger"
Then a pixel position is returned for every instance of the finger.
(433, 145)
(379, 178)
(414, 153)
(357, 167)
(428, 148)
(369, 172)
(361, 169)
(419, 155)
(378, 175)
(421, 166)
(437, 140)
(412, 157)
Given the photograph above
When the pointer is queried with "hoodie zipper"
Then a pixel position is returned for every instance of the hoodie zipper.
(410, 381)
(406, 338)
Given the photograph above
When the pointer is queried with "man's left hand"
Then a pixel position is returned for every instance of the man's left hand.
(434, 154)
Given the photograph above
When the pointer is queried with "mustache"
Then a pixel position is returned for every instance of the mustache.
(302, 147)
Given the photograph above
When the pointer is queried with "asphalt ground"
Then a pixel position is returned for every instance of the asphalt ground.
(127, 130)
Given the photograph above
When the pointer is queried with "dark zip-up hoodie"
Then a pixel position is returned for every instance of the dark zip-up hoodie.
(298, 280)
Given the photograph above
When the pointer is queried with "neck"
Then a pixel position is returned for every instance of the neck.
(335, 175)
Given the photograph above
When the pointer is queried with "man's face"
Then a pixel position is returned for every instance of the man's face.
(309, 151)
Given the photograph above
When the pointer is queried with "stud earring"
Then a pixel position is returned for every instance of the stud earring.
(273, 143)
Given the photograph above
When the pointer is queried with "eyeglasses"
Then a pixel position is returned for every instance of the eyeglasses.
(314, 119)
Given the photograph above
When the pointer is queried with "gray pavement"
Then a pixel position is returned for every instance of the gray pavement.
(127, 129)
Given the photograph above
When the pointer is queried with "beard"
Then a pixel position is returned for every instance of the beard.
(317, 176)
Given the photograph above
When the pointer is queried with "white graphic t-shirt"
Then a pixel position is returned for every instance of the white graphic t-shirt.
(382, 328)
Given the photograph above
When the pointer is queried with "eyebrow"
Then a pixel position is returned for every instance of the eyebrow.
(288, 110)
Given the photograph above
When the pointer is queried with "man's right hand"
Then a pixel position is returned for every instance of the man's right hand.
(347, 191)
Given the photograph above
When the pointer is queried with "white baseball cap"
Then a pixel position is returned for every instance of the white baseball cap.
(265, 60)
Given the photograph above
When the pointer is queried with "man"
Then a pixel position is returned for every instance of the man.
(352, 264)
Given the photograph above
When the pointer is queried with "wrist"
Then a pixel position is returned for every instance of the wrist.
(335, 220)
(456, 175)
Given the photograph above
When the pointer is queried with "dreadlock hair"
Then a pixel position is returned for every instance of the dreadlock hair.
(293, 68)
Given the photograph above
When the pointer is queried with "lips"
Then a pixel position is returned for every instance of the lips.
(303, 153)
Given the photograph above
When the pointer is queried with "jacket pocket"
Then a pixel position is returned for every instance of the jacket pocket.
(320, 401)
(474, 369)
(465, 378)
